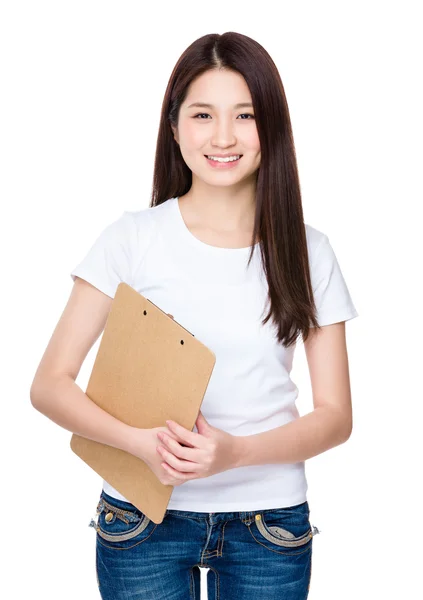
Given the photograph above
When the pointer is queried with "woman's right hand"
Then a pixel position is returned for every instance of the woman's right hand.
(144, 445)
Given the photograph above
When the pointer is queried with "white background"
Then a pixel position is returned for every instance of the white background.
(82, 86)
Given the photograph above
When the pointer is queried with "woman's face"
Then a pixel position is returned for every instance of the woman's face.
(220, 128)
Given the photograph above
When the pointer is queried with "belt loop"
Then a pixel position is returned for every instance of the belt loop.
(246, 516)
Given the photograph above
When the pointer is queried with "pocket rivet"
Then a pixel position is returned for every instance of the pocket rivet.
(258, 517)
(109, 517)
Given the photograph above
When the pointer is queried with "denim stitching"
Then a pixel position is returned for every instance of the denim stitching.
(191, 585)
(282, 541)
(125, 514)
(223, 538)
(122, 537)
(216, 579)
(127, 547)
(279, 551)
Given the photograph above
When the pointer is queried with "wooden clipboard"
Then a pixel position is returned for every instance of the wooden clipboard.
(148, 368)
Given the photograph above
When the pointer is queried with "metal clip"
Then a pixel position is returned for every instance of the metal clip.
(93, 522)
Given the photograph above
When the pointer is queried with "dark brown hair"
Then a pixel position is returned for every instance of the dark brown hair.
(279, 222)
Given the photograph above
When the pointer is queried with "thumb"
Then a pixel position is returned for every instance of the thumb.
(202, 423)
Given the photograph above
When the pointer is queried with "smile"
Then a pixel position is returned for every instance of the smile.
(223, 163)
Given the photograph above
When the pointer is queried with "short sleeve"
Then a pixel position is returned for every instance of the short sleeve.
(331, 295)
(109, 260)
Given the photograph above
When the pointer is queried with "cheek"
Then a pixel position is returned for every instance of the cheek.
(192, 137)
(251, 141)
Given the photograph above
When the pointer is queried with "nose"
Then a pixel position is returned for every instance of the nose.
(223, 134)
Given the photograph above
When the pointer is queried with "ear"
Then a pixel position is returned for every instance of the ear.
(175, 133)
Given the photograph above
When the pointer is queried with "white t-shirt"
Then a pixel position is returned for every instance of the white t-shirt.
(209, 291)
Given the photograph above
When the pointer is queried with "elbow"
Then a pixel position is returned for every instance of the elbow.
(45, 390)
(34, 396)
(39, 391)
(347, 431)
(347, 435)
(343, 426)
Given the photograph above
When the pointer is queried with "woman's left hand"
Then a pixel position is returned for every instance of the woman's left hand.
(205, 453)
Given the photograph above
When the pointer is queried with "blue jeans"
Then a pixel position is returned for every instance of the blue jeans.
(256, 555)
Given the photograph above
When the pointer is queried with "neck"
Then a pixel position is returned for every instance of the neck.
(222, 209)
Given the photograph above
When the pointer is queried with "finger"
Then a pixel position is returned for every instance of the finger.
(173, 436)
(177, 475)
(165, 436)
(176, 448)
(189, 437)
(183, 466)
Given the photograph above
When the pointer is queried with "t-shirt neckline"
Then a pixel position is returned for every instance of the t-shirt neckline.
(197, 242)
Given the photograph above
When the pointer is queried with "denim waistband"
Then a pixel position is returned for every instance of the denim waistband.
(230, 515)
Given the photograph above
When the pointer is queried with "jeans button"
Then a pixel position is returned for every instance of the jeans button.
(109, 517)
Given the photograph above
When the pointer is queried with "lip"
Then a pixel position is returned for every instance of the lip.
(225, 165)
(224, 155)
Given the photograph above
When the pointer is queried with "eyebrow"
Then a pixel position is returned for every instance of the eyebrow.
(205, 105)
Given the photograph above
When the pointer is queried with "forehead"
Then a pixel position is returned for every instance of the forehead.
(219, 88)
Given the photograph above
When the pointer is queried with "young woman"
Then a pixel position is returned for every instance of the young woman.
(224, 249)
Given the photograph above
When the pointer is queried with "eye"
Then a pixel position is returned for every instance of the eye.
(242, 115)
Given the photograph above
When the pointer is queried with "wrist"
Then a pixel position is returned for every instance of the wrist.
(240, 451)
(132, 440)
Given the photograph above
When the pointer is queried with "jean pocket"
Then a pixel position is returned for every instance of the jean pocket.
(119, 527)
(286, 531)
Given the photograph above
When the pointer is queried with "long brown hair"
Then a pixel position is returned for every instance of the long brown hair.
(279, 222)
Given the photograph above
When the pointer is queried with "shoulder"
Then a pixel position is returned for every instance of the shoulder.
(147, 223)
(315, 240)
(146, 220)
(140, 228)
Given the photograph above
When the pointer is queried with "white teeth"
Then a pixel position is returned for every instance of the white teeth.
(226, 159)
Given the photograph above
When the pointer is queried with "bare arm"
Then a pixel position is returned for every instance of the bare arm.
(54, 392)
(62, 400)
(327, 426)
